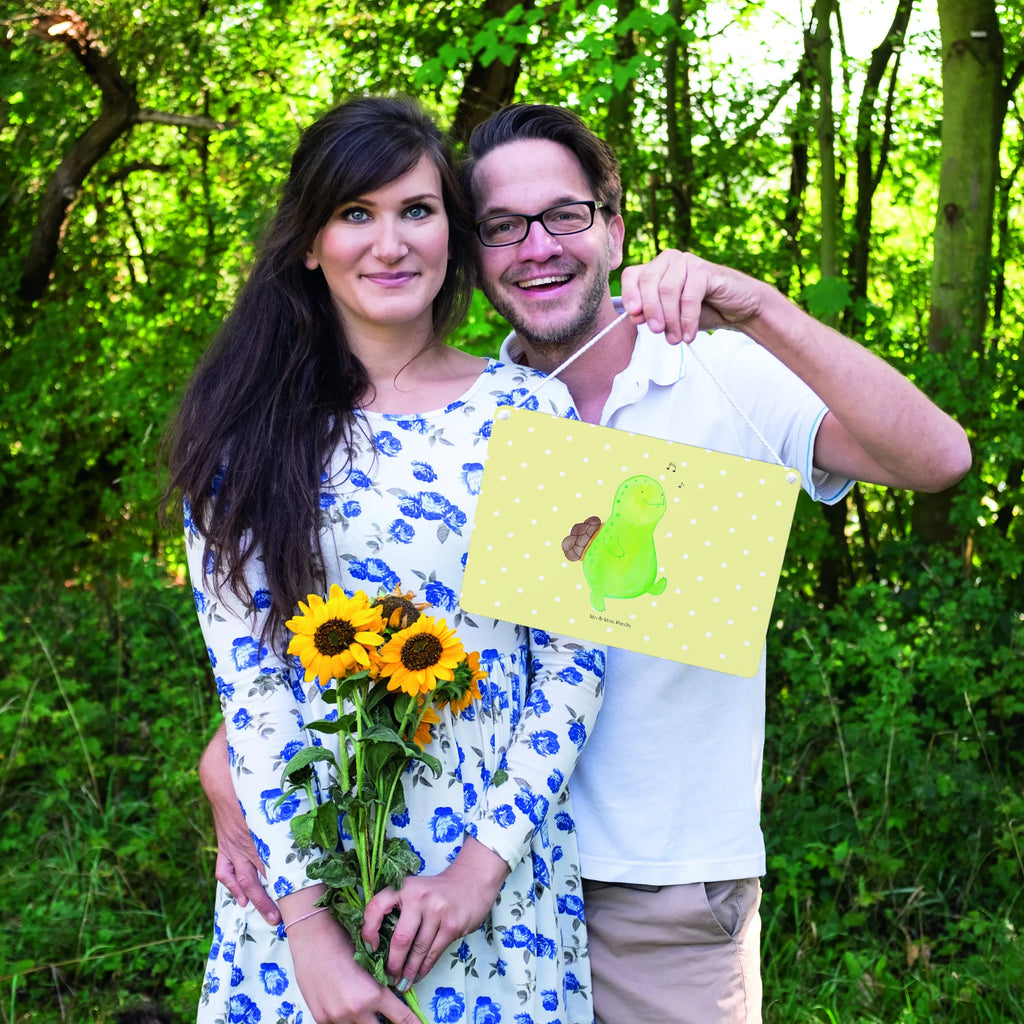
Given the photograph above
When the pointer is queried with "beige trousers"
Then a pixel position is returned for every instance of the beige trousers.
(675, 954)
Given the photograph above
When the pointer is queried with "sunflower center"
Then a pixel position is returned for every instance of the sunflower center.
(391, 603)
(334, 636)
(421, 651)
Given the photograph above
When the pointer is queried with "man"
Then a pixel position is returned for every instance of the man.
(667, 790)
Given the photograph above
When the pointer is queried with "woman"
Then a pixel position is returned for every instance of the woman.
(330, 436)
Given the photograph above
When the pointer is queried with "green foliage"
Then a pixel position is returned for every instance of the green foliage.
(827, 298)
(105, 843)
(892, 818)
(892, 794)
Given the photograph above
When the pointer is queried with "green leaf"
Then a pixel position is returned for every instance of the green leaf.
(453, 55)
(329, 726)
(345, 802)
(302, 826)
(338, 869)
(429, 760)
(397, 801)
(385, 758)
(298, 770)
(351, 919)
(381, 695)
(398, 861)
(623, 75)
(372, 963)
(827, 297)
(387, 929)
(382, 733)
(325, 828)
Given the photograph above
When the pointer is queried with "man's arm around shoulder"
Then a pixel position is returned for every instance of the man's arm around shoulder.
(238, 864)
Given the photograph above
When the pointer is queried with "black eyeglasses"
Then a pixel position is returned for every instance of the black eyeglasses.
(564, 219)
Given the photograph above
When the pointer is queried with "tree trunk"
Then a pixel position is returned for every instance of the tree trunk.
(119, 113)
(791, 280)
(486, 89)
(973, 107)
(619, 133)
(819, 55)
(869, 173)
(819, 52)
(679, 132)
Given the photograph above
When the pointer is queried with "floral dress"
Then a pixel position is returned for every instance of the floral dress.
(401, 516)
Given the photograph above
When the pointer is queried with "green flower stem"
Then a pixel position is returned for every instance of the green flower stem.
(310, 795)
(414, 1004)
(360, 835)
(343, 761)
(381, 824)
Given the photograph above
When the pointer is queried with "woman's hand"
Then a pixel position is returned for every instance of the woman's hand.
(435, 910)
(336, 989)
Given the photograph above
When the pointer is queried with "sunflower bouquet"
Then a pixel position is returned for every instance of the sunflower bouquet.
(390, 669)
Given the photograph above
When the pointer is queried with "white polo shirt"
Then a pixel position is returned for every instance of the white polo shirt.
(668, 788)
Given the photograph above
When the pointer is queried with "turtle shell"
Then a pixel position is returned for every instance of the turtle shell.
(575, 545)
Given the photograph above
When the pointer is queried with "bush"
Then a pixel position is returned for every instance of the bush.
(107, 866)
(894, 826)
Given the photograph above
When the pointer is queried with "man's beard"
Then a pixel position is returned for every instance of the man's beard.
(567, 337)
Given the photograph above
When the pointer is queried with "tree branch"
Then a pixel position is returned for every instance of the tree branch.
(884, 58)
(119, 112)
(125, 171)
(206, 124)
(67, 27)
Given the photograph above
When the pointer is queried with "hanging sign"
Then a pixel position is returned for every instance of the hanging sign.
(631, 541)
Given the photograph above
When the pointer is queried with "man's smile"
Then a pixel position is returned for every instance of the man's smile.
(541, 282)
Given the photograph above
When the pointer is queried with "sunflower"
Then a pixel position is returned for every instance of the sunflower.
(472, 691)
(418, 656)
(332, 636)
(424, 734)
(399, 610)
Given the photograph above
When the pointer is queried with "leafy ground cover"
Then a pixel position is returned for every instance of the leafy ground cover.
(892, 787)
(104, 844)
(892, 799)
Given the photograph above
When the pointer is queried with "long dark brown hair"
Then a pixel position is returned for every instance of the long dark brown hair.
(275, 394)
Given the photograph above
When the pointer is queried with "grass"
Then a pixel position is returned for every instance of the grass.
(892, 814)
(106, 860)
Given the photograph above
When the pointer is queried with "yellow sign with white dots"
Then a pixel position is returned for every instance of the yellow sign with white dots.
(627, 540)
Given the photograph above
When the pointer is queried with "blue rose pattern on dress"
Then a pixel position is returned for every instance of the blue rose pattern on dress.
(403, 515)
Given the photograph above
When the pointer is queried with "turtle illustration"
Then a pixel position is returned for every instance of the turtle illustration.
(619, 559)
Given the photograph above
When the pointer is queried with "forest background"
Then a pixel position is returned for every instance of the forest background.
(864, 157)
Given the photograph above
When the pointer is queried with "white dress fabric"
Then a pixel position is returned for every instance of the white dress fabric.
(401, 516)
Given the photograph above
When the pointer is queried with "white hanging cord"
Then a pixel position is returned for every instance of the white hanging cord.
(596, 338)
(746, 419)
(692, 351)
